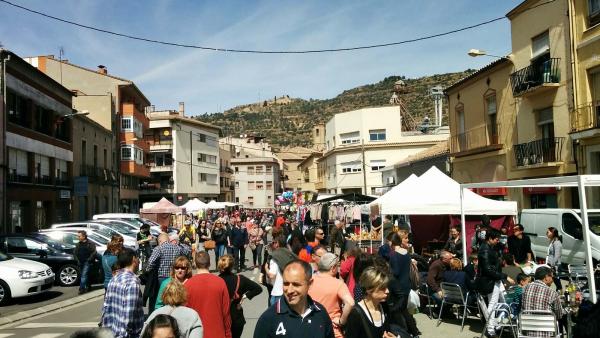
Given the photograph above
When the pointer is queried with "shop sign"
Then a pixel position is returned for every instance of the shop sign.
(539, 190)
(498, 191)
(64, 194)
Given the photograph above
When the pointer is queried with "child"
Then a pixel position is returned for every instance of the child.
(513, 297)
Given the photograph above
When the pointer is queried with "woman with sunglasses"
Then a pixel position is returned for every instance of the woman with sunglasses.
(181, 270)
(203, 235)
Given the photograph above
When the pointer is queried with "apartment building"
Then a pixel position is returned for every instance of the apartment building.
(293, 178)
(541, 86)
(585, 114)
(482, 121)
(117, 104)
(256, 171)
(226, 179)
(360, 143)
(38, 134)
(309, 169)
(184, 158)
(95, 181)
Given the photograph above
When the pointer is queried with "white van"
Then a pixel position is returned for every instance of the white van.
(568, 222)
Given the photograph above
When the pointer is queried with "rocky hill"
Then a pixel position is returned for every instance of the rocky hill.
(286, 121)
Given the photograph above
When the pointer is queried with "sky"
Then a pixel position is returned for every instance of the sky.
(209, 81)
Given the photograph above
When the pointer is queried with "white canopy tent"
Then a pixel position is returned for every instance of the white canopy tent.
(215, 205)
(434, 193)
(194, 205)
(579, 181)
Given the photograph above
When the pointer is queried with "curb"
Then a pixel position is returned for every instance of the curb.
(50, 307)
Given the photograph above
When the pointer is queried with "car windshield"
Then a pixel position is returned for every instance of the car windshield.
(105, 232)
(149, 222)
(121, 228)
(54, 244)
(4, 257)
(98, 239)
(594, 222)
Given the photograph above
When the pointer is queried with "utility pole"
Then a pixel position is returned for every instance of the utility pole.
(364, 165)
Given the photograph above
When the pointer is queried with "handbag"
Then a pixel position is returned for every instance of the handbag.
(210, 244)
(414, 302)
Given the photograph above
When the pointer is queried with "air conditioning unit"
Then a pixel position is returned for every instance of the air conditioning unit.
(391, 180)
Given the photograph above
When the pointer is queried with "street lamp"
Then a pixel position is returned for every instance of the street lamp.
(78, 113)
(479, 52)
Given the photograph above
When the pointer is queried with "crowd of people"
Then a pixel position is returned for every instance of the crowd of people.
(316, 285)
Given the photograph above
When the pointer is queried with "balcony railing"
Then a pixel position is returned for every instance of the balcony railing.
(535, 75)
(545, 150)
(13, 177)
(475, 138)
(586, 116)
(225, 169)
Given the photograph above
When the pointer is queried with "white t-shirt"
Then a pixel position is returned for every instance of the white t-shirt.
(278, 283)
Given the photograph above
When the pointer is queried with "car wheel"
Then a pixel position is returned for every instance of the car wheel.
(4, 293)
(68, 275)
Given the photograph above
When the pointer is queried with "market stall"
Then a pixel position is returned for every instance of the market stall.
(162, 212)
(194, 205)
(578, 181)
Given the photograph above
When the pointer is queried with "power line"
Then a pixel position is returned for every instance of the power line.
(255, 51)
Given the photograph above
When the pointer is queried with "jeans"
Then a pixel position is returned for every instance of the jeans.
(219, 251)
(495, 297)
(239, 254)
(84, 270)
(257, 255)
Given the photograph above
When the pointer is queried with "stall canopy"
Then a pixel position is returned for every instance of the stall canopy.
(163, 207)
(194, 205)
(434, 193)
(215, 205)
(352, 197)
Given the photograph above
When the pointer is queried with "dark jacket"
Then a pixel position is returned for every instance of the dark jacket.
(219, 236)
(490, 270)
(246, 287)
(435, 275)
(358, 325)
(238, 237)
(84, 252)
(471, 273)
(281, 321)
(519, 248)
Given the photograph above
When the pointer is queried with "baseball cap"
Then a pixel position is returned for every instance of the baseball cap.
(327, 261)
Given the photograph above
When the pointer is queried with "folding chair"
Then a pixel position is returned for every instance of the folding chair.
(453, 295)
(536, 322)
(424, 293)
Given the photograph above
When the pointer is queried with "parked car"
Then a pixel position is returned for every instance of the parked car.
(68, 237)
(137, 221)
(22, 277)
(52, 253)
(104, 230)
(568, 223)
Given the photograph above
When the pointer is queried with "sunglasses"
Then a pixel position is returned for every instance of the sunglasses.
(180, 268)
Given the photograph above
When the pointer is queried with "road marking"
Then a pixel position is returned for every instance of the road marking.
(62, 325)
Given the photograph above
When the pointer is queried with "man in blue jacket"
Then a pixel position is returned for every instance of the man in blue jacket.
(239, 241)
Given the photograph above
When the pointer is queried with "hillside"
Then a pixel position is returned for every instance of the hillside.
(286, 121)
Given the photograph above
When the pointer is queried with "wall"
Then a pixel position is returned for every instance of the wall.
(242, 177)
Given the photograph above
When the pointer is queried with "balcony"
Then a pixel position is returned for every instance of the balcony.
(159, 145)
(225, 169)
(546, 150)
(536, 78)
(475, 140)
(162, 167)
(586, 116)
(13, 177)
(98, 175)
(156, 188)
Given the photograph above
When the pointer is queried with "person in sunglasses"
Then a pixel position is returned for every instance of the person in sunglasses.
(181, 270)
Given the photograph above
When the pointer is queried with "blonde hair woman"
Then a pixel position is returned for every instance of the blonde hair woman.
(181, 270)
(173, 298)
(367, 318)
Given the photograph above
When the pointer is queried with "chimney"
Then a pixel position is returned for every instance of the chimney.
(182, 108)
(102, 69)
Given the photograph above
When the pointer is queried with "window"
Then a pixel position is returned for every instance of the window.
(237, 200)
(572, 226)
(211, 179)
(490, 104)
(377, 135)
(209, 140)
(260, 185)
(132, 153)
(237, 184)
(259, 170)
(251, 185)
(202, 177)
(540, 45)
(269, 185)
(350, 138)
(250, 170)
(269, 198)
(351, 167)
(593, 12)
(16, 106)
(95, 156)
(127, 124)
(546, 123)
(127, 154)
(206, 158)
(42, 168)
(17, 163)
(105, 157)
(268, 169)
(61, 170)
(377, 165)
(595, 89)
(201, 138)
(83, 152)
(237, 170)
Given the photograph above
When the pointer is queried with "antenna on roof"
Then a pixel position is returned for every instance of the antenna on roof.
(61, 53)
